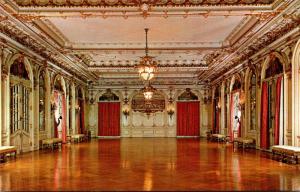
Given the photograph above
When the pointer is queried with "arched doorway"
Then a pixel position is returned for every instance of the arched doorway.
(272, 116)
(59, 109)
(188, 114)
(109, 114)
(21, 131)
(235, 109)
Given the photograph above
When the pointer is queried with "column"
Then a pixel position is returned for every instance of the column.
(35, 104)
(73, 112)
(1, 60)
(287, 117)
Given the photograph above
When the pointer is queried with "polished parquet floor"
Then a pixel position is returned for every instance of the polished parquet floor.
(148, 164)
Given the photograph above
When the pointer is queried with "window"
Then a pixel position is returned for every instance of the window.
(19, 97)
(19, 107)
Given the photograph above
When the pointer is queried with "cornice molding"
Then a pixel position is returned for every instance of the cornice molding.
(131, 3)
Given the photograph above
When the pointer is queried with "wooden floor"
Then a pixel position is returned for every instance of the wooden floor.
(148, 164)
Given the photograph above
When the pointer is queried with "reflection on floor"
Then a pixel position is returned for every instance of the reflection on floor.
(148, 164)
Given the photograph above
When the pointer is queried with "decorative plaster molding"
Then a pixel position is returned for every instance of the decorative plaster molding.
(132, 3)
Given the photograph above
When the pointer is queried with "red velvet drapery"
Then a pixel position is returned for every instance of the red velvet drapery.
(109, 119)
(231, 114)
(264, 135)
(188, 118)
(64, 119)
(55, 120)
(277, 111)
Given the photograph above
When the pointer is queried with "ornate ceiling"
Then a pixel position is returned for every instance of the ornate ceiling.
(194, 41)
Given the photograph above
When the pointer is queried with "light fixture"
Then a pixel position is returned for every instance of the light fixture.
(77, 108)
(126, 110)
(170, 110)
(219, 104)
(148, 92)
(242, 98)
(53, 104)
(147, 66)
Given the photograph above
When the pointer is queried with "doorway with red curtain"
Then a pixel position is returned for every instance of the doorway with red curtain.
(188, 118)
(109, 119)
(269, 109)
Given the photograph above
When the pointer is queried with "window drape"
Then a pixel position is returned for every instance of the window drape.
(55, 121)
(230, 130)
(264, 135)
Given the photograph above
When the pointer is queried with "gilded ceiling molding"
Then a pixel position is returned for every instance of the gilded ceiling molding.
(11, 30)
(266, 39)
(133, 3)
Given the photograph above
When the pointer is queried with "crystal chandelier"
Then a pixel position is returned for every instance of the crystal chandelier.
(147, 66)
(148, 92)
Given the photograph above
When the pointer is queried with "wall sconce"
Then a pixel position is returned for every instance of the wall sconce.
(126, 113)
(206, 97)
(219, 105)
(126, 110)
(242, 99)
(77, 108)
(53, 105)
(92, 101)
(170, 110)
(170, 113)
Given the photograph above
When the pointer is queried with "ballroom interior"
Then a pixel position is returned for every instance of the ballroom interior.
(157, 95)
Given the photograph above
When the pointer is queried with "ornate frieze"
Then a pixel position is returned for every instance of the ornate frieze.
(134, 3)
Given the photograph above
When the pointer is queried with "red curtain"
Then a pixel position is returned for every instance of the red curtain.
(231, 114)
(188, 119)
(55, 123)
(64, 119)
(109, 119)
(277, 111)
(240, 128)
(264, 135)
